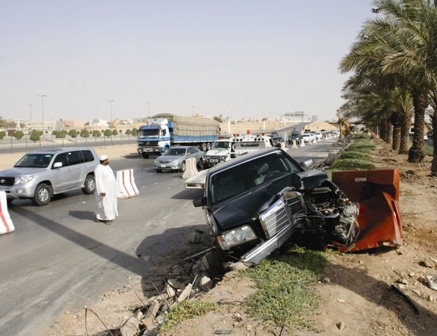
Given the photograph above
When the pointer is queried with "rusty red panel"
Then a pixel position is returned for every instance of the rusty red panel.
(377, 192)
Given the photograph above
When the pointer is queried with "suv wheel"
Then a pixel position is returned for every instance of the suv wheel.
(43, 194)
(89, 185)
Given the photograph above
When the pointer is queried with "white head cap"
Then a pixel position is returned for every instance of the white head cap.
(103, 157)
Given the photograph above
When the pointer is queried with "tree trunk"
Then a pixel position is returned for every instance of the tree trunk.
(405, 121)
(434, 142)
(396, 137)
(385, 130)
(417, 152)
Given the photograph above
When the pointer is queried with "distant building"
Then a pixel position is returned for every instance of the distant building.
(98, 123)
(69, 124)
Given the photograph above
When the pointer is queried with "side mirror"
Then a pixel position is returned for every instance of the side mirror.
(57, 165)
(307, 164)
(198, 202)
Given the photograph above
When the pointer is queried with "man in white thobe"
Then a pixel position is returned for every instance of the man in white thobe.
(106, 194)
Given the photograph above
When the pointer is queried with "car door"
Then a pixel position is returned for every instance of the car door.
(193, 153)
(68, 176)
(76, 169)
(60, 175)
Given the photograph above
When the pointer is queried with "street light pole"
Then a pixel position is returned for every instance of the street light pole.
(42, 112)
(110, 106)
(30, 120)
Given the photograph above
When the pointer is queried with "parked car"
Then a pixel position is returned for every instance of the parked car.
(307, 137)
(277, 141)
(295, 136)
(175, 158)
(317, 135)
(254, 203)
(43, 173)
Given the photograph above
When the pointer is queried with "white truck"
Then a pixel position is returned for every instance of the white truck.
(220, 152)
(166, 129)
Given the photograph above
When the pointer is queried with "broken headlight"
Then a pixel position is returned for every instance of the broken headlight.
(236, 237)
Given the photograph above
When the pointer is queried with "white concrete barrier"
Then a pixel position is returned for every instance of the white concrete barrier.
(126, 184)
(294, 144)
(6, 224)
(190, 168)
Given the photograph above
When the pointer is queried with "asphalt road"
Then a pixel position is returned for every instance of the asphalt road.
(59, 258)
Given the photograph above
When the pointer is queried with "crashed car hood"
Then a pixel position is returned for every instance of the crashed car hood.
(222, 151)
(235, 212)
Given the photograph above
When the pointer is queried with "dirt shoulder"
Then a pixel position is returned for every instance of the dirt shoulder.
(356, 289)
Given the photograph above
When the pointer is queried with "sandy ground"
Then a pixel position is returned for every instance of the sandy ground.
(114, 152)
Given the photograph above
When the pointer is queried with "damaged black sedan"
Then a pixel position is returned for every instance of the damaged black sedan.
(256, 202)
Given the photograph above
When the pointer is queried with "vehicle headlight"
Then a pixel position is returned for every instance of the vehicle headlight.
(236, 237)
(223, 157)
(23, 179)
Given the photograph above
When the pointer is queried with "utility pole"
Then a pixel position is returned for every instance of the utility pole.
(42, 112)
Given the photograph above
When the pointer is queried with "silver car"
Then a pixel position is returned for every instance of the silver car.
(43, 173)
(175, 158)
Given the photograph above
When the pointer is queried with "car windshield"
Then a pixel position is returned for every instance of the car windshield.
(34, 161)
(221, 144)
(248, 175)
(176, 151)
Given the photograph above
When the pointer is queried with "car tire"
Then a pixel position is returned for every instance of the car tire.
(89, 185)
(43, 194)
(158, 170)
(183, 166)
(9, 201)
(145, 156)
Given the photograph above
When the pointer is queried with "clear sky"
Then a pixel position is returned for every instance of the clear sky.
(236, 58)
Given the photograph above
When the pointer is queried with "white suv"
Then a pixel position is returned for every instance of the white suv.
(41, 174)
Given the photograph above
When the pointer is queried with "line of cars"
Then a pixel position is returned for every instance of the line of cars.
(308, 136)
(176, 157)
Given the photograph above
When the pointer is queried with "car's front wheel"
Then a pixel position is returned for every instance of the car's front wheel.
(89, 185)
(43, 194)
(183, 166)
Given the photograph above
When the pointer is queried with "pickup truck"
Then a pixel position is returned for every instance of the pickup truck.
(220, 152)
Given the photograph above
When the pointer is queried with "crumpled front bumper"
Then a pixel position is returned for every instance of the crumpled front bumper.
(279, 222)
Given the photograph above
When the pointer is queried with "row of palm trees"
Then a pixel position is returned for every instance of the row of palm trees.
(394, 65)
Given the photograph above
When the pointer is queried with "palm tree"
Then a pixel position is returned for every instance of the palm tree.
(404, 43)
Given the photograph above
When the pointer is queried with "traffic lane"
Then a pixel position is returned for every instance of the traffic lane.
(318, 152)
(61, 257)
